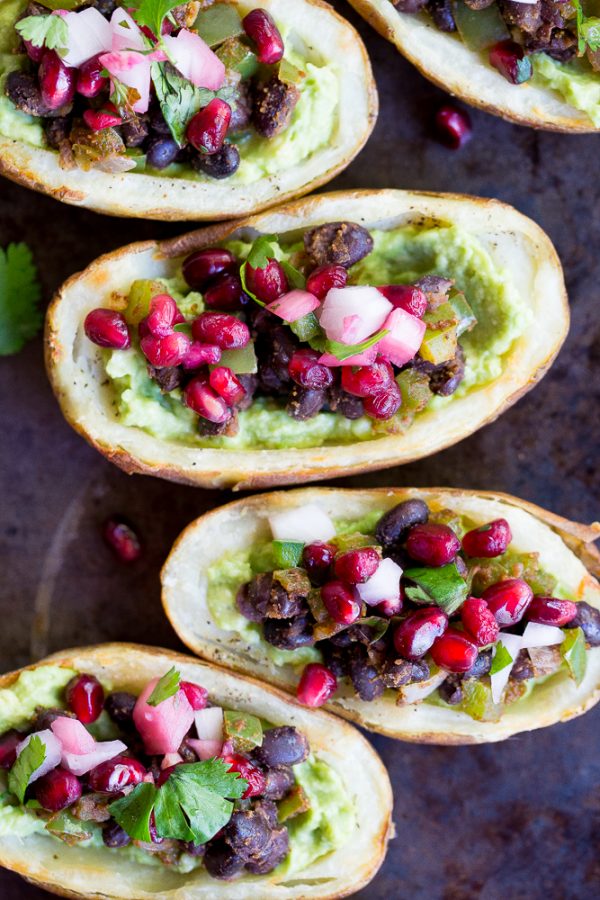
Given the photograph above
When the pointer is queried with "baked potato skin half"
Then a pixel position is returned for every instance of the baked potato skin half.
(69, 872)
(568, 546)
(451, 66)
(76, 374)
(179, 199)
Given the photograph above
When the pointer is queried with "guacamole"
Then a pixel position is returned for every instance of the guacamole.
(399, 256)
(326, 826)
(575, 81)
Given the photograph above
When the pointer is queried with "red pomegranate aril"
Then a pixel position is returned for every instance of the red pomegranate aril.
(207, 129)
(200, 397)
(201, 267)
(226, 294)
(306, 370)
(85, 697)
(415, 635)
(225, 331)
(57, 789)
(454, 651)
(407, 297)
(107, 328)
(322, 279)
(317, 559)
(509, 59)
(433, 545)
(268, 283)
(90, 81)
(453, 126)
(261, 28)
(223, 381)
(201, 355)
(196, 695)
(99, 119)
(162, 316)
(57, 81)
(389, 608)
(170, 350)
(508, 600)
(122, 539)
(340, 602)
(365, 381)
(551, 611)
(316, 686)
(8, 748)
(479, 621)
(164, 774)
(249, 772)
(489, 540)
(112, 776)
(357, 566)
(385, 403)
(34, 53)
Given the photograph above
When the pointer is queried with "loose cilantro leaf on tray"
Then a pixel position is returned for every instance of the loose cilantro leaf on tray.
(28, 761)
(166, 687)
(45, 31)
(20, 292)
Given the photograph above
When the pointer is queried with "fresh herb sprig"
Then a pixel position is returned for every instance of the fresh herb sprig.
(20, 292)
(588, 30)
(165, 687)
(28, 761)
(45, 31)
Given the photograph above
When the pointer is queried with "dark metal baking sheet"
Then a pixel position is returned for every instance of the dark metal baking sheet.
(515, 820)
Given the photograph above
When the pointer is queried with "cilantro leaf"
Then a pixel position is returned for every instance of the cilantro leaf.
(588, 30)
(345, 351)
(152, 13)
(20, 292)
(443, 586)
(501, 660)
(45, 31)
(294, 276)
(179, 99)
(262, 250)
(28, 761)
(133, 811)
(166, 687)
(574, 653)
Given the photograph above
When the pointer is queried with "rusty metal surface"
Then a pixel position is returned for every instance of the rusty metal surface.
(516, 820)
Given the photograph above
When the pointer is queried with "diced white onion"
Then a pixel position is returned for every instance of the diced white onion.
(303, 523)
(89, 34)
(537, 635)
(351, 314)
(499, 680)
(414, 693)
(383, 585)
(209, 723)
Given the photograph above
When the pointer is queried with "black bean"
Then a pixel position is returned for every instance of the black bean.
(366, 680)
(445, 379)
(119, 706)
(57, 131)
(215, 429)
(23, 90)
(45, 717)
(481, 666)
(168, 378)
(442, 15)
(337, 243)
(279, 780)
(135, 131)
(345, 404)
(283, 746)
(222, 164)
(393, 525)
(451, 690)
(289, 634)
(221, 861)
(197, 850)
(523, 667)
(161, 153)
(274, 853)
(588, 619)
(396, 673)
(420, 671)
(283, 604)
(115, 836)
(305, 403)
(105, 7)
(253, 598)
(241, 108)
(274, 102)
(409, 6)
(247, 833)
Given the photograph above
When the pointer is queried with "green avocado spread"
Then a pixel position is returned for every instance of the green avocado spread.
(399, 256)
(575, 81)
(326, 825)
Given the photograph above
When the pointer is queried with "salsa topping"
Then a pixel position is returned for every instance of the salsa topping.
(421, 604)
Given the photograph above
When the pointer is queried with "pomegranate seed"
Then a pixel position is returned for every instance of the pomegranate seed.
(385, 403)
(57, 790)
(267, 283)
(306, 370)
(454, 651)
(90, 81)
(317, 559)
(508, 600)
(197, 395)
(321, 280)
(226, 293)
(225, 331)
(8, 748)
(416, 634)
(201, 267)
(223, 381)
(164, 774)
(366, 381)
(34, 53)
(85, 697)
(508, 57)
(453, 126)
(166, 351)
(201, 355)
(317, 684)
(57, 81)
(196, 695)
(340, 603)
(99, 119)
(389, 608)
(107, 328)
(122, 540)
(489, 540)
(112, 776)
(249, 772)
(163, 315)
(479, 621)
(260, 28)
(407, 297)
(550, 611)
(433, 545)
(357, 566)
(207, 129)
